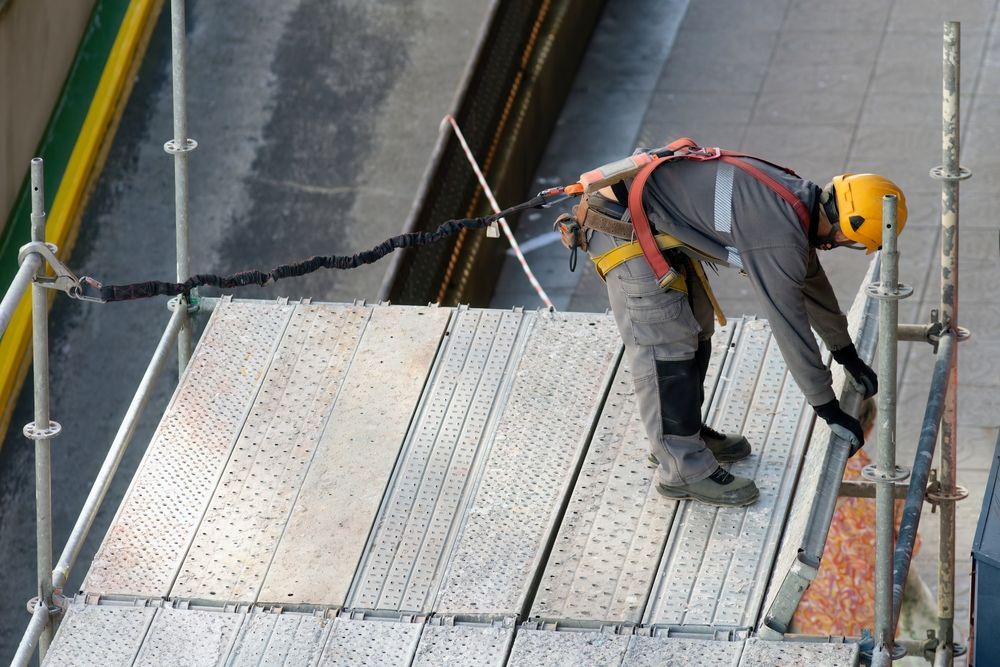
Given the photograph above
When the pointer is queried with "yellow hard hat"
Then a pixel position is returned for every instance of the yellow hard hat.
(859, 207)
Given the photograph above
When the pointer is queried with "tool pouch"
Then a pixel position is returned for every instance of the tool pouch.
(571, 234)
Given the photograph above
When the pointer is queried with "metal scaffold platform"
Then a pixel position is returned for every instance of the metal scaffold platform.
(355, 484)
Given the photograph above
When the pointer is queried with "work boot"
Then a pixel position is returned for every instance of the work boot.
(721, 488)
(727, 448)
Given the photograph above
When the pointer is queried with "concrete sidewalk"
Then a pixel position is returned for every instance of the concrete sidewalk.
(823, 89)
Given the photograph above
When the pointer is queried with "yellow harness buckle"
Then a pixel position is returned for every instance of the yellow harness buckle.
(605, 262)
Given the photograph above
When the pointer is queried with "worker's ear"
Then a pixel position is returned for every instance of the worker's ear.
(827, 193)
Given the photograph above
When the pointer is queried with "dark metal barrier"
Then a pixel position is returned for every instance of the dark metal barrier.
(506, 106)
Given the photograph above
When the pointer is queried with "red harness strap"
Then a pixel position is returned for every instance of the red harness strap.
(640, 223)
(686, 149)
(800, 209)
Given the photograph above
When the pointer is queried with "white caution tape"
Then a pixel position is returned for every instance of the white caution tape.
(496, 209)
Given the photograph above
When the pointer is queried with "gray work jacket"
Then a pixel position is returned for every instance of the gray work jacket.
(724, 212)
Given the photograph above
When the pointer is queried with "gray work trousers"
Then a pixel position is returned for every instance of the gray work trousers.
(665, 325)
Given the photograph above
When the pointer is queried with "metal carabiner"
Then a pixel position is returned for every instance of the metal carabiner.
(559, 194)
(64, 280)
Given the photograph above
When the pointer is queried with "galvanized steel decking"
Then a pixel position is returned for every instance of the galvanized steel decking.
(351, 484)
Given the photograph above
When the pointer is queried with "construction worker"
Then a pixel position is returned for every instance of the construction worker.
(734, 212)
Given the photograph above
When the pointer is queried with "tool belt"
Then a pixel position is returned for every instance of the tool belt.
(603, 215)
(594, 212)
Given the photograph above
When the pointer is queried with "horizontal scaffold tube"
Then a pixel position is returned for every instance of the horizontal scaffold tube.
(914, 332)
(25, 649)
(17, 289)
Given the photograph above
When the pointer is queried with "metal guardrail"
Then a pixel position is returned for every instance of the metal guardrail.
(22, 279)
(805, 566)
(46, 607)
(940, 416)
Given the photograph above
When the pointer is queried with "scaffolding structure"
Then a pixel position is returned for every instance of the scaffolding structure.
(805, 549)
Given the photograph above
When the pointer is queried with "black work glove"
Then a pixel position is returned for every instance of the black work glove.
(833, 415)
(859, 370)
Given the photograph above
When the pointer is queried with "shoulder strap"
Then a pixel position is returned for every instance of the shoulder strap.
(760, 159)
(640, 224)
(778, 188)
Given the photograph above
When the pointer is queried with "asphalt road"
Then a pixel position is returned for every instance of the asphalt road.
(315, 120)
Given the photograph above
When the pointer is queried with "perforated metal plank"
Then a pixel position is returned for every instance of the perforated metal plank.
(363, 642)
(547, 648)
(804, 495)
(184, 637)
(760, 653)
(147, 541)
(286, 639)
(722, 345)
(402, 565)
(781, 418)
(609, 543)
(333, 514)
(562, 378)
(674, 652)
(463, 646)
(92, 636)
(742, 542)
(252, 639)
(237, 537)
(709, 569)
(610, 540)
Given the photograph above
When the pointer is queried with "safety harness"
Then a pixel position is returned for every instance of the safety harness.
(644, 241)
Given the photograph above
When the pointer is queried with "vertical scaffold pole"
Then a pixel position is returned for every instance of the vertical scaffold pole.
(40, 430)
(951, 174)
(179, 147)
(885, 472)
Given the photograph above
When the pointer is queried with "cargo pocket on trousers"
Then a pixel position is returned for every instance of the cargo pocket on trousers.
(657, 316)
